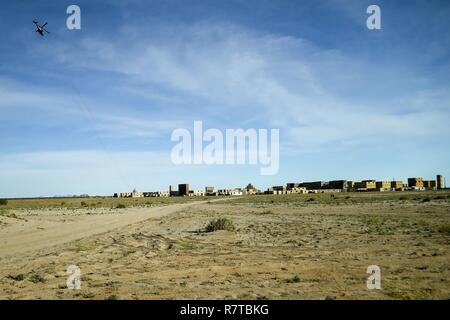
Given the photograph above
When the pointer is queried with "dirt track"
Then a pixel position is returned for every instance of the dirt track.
(34, 234)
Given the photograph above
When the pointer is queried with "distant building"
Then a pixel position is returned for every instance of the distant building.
(196, 193)
(429, 184)
(415, 183)
(314, 185)
(440, 182)
(383, 185)
(172, 193)
(338, 184)
(292, 185)
(209, 191)
(183, 189)
(230, 192)
(397, 185)
(366, 185)
(250, 189)
(133, 194)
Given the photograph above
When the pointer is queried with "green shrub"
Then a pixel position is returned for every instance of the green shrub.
(444, 229)
(295, 279)
(19, 277)
(426, 199)
(3, 202)
(7, 214)
(121, 206)
(35, 278)
(84, 204)
(220, 224)
(310, 200)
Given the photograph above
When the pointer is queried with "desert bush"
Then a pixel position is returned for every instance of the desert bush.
(295, 279)
(220, 224)
(439, 198)
(347, 197)
(84, 204)
(5, 213)
(3, 202)
(445, 228)
(35, 278)
(121, 206)
(426, 199)
(403, 198)
(310, 200)
(19, 277)
(112, 297)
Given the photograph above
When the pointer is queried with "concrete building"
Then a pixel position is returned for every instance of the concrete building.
(196, 193)
(415, 183)
(397, 185)
(251, 190)
(316, 185)
(383, 185)
(292, 185)
(338, 184)
(230, 192)
(365, 185)
(429, 184)
(440, 182)
(183, 189)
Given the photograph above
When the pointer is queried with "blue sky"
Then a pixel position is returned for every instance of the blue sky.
(92, 110)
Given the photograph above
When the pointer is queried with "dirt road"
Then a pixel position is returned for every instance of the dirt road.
(36, 234)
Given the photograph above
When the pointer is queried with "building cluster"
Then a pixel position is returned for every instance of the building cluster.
(417, 184)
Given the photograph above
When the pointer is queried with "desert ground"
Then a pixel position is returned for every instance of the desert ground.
(313, 246)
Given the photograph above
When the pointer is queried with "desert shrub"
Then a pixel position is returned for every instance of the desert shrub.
(347, 197)
(445, 228)
(439, 198)
(220, 224)
(8, 214)
(3, 202)
(19, 277)
(310, 200)
(112, 297)
(267, 212)
(84, 204)
(403, 198)
(426, 199)
(295, 279)
(35, 278)
(121, 206)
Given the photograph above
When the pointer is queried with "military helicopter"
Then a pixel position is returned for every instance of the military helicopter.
(40, 29)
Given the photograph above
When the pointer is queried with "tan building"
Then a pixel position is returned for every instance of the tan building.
(429, 184)
(397, 185)
(440, 182)
(415, 182)
(383, 185)
(366, 185)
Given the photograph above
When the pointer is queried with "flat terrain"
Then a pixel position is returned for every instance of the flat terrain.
(281, 247)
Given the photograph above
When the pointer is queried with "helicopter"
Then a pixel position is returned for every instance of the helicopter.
(40, 29)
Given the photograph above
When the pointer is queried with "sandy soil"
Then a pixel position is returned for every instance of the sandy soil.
(292, 250)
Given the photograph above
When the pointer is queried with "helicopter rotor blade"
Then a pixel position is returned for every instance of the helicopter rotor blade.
(45, 30)
(44, 24)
